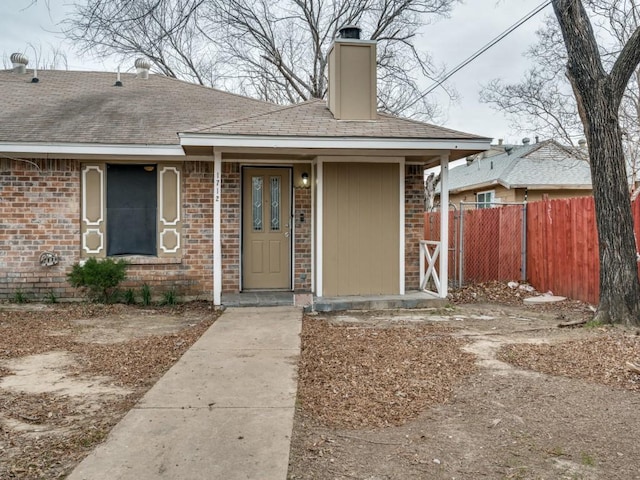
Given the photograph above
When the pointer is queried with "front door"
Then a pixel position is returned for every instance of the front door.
(266, 244)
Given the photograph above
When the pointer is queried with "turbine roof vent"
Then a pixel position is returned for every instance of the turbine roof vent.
(20, 62)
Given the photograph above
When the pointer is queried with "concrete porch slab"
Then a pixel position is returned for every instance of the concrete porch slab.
(377, 302)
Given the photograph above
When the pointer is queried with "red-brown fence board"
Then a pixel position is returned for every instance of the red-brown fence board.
(562, 248)
(562, 245)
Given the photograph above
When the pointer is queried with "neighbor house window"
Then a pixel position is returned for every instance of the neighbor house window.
(131, 209)
(485, 199)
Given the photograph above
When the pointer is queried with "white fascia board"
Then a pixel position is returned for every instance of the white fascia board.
(91, 149)
(356, 143)
(475, 186)
(554, 186)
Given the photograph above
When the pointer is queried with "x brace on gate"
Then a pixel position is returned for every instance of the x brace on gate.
(431, 259)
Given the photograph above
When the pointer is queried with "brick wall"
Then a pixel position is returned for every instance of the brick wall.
(230, 227)
(40, 211)
(414, 224)
(192, 275)
(302, 244)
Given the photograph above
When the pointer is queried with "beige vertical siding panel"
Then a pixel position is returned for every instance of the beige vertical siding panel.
(361, 224)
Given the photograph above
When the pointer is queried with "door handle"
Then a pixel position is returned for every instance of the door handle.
(286, 234)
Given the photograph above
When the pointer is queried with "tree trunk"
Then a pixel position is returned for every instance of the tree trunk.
(598, 94)
(619, 285)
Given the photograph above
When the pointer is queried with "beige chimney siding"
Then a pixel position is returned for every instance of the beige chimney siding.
(352, 80)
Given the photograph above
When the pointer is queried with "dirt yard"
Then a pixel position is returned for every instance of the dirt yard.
(68, 373)
(485, 388)
(473, 391)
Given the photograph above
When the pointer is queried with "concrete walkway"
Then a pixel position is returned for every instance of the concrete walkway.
(224, 411)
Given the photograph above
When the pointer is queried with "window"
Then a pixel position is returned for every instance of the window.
(131, 209)
(132, 197)
(485, 199)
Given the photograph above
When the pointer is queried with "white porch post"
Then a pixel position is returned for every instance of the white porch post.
(444, 225)
(319, 231)
(217, 239)
(402, 225)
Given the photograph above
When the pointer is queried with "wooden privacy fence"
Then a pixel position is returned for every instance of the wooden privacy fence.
(561, 246)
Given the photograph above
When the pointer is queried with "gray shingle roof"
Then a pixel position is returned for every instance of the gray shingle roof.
(545, 164)
(313, 118)
(86, 107)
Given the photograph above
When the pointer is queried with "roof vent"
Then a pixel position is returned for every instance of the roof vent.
(35, 78)
(350, 31)
(582, 143)
(118, 81)
(142, 68)
(526, 141)
(508, 149)
(20, 62)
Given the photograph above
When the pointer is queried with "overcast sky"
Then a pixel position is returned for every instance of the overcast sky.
(32, 29)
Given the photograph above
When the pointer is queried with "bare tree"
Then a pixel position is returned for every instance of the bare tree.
(544, 101)
(272, 50)
(599, 93)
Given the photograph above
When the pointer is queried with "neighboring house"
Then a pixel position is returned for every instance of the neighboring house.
(517, 173)
(210, 192)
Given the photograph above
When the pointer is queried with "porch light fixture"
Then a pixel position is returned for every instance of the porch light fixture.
(305, 179)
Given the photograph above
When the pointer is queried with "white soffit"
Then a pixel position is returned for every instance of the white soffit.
(356, 143)
(91, 149)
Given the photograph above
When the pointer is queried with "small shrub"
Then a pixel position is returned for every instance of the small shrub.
(593, 324)
(587, 459)
(20, 297)
(51, 297)
(145, 292)
(169, 297)
(129, 296)
(100, 278)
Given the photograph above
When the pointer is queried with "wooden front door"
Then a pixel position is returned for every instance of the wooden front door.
(266, 228)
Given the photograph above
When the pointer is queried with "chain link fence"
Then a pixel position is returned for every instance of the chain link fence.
(487, 241)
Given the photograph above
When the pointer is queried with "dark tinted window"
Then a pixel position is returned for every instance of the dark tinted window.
(131, 209)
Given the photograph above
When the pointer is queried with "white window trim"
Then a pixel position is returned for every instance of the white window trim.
(485, 203)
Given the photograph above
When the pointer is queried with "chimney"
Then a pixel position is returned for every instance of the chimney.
(20, 62)
(142, 68)
(352, 91)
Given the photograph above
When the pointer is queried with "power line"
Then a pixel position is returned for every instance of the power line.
(475, 55)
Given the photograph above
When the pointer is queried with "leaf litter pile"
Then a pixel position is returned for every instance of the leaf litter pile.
(599, 359)
(44, 434)
(359, 376)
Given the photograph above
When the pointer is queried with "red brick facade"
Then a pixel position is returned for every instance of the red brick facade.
(302, 244)
(230, 225)
(40, 208)
(39, 212)
(414, 224)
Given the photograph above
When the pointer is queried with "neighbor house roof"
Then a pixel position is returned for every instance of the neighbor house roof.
(535, 166)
